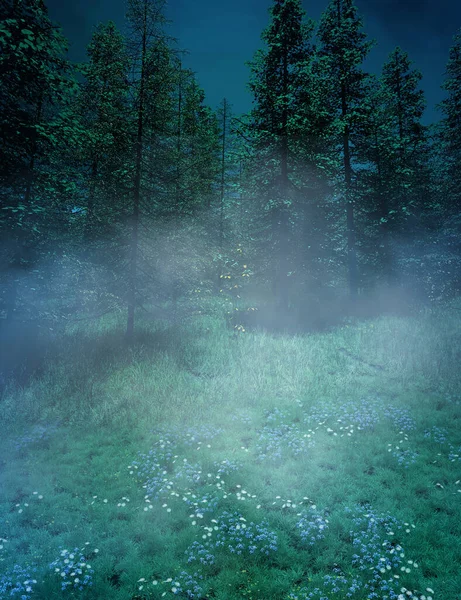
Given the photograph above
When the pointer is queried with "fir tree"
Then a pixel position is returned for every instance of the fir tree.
(450, 126)
(103, 108)
(343, 46)
(406, 152)
(102, 111)
(200, 148)
(36, 84)
(448, 146)
(146, 20)
(275, 83)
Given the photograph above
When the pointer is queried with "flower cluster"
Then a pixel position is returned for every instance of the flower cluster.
(405, 457)
(231, 533)
(312, 525)
(319, 415)
(160, 455)
(200, 552)
(454, 454)
(237, 536)
(275, 415)
(400, 417)
(159, 470)
(184, 584)
(438, 434)
(154, 467)
(197, 436)
(73, 568)
(200, 504)
(376, 553)
(189, 585)
(39, 433)
(338, 584)
(363, 415)
(410, 595)
(367, 538)
(157, 484)
(17, 583)
(188, 472)
(348, 414)
(277, 440)
(226, 467)
(331, 584)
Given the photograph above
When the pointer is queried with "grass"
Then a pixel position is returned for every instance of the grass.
(205, 464)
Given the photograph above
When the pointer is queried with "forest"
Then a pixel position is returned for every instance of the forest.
(122, 191)
(216, 299)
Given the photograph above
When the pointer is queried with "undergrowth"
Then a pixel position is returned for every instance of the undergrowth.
(206, 462)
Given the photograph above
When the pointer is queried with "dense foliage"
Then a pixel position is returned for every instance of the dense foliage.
(121, 190)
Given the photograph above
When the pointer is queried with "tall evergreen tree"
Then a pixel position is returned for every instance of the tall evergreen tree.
(406, 151)
(200, 148)
(36, 83)
(103, 106)
(146, 20)
(344, 47)
(102, 110)
(227, 215)
(450, 131)
(275, 83)
(224, 129)
(373, 142)
(448, 146)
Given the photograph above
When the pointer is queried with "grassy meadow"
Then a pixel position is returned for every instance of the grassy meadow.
(213, 463)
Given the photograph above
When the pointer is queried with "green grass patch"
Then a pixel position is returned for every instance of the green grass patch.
(201, 463)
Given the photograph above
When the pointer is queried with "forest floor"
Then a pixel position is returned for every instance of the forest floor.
(208, 464)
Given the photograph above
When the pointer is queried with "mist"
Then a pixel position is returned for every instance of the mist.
(229, 343)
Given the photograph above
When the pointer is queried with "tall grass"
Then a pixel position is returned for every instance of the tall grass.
(266, 408)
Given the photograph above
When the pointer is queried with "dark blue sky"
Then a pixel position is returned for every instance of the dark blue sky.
(221, 36)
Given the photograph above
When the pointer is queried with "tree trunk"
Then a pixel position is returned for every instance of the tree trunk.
(178, 146)
(281, 214)
(384, 214)
(136, 192)
(351, 249)
(221, 200)
(89, 221)
(22, 245)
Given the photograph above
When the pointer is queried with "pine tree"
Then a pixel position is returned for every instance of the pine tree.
(407, 150)
(146, 20)
(275, 83)
(36, 83)
(315, 166)
(103, 108)
(344, 47)
(102, 112)
(450, 131)
(372, 143)
(447, 228)
(404, 103)
(161, 199)
(200, 150)
(224, 129)
(227, 216)
(199, 159)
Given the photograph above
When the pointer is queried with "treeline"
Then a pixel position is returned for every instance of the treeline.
(120, 188)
